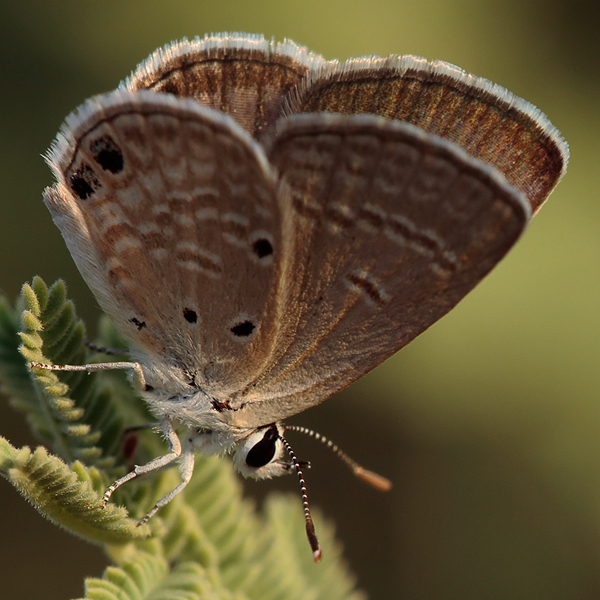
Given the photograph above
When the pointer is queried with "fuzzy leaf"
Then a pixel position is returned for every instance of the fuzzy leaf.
(147, 577)
(30, 300)
(65, 496)
(64, 402)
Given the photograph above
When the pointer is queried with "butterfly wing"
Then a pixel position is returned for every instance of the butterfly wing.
(386, 228)
(170, 211)
(483, 118)
(393, 242)
(242, 75)
(272, 294)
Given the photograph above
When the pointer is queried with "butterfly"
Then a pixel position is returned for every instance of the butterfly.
(265, 227)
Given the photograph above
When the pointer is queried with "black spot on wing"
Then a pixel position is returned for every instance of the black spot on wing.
(139, 324)
(243, 329)
(190, 315)
(107, 154)
(262, 248)
(84, 182)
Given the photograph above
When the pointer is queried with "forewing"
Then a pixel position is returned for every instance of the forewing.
(483, 118)
(386, 229)
(170, 212)
(239, 74)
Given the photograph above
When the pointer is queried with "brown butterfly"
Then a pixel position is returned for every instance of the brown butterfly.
(265, 226)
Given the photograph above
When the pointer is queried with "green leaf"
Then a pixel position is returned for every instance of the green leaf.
(148, 577)
(67, 496)
(60, 409)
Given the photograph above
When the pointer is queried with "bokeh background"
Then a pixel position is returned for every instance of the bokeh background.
(489, 423)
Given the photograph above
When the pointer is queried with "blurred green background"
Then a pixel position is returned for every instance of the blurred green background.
(489, 423)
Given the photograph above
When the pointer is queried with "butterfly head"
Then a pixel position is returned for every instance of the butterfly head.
(258, 455)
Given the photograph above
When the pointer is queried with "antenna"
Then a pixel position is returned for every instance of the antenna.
(373, 479)
(310, 527)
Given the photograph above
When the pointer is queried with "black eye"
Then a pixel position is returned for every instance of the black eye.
(262, 452)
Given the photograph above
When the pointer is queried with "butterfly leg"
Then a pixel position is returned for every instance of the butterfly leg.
(155, 464)
(139, 381)
(186, 470)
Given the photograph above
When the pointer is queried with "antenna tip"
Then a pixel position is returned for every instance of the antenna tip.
(377, 481)
(313, 540)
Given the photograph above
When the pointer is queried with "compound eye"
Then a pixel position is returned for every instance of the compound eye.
(263, 451)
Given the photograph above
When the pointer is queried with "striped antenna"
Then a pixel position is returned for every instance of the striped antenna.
(310, 527)
(373, 479)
